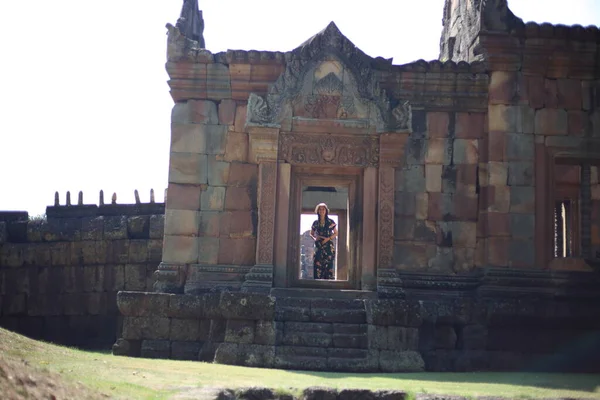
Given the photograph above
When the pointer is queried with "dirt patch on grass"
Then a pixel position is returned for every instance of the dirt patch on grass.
(20, 380)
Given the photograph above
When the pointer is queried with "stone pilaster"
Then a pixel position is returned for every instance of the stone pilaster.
(392, 149)
(263, 151)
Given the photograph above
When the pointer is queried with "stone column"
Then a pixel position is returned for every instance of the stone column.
(263, 151)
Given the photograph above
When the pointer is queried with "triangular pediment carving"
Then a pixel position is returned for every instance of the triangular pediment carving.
(328, 77)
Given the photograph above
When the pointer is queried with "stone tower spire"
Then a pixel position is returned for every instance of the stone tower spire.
(191, 23)
(464, 20)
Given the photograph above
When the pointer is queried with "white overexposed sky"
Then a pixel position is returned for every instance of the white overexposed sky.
(84, 103)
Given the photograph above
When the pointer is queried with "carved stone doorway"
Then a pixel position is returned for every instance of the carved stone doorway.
(339, 188)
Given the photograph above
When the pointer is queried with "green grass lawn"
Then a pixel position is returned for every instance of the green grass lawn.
(137, 378)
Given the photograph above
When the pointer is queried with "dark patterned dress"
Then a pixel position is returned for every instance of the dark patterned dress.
(324, 252)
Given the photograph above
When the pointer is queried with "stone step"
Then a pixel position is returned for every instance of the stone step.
(307, 293)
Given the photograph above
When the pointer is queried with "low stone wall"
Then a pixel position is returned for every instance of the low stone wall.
(361, 335)
(59, 277)
(262, 331)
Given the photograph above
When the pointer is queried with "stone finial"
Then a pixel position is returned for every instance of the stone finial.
(191, 23)
(68, 198)
(152, 196)
(101, 197)
(137, 196)
(114, 198)
(80, 198)
(56, 199)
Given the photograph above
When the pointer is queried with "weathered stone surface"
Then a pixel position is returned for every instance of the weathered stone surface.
(186, 306)
(438, 124)
(465, 151)
(401, 361)
(115, 228)
(239, 331)
(470, 125)
(130, 348)
(188, 138)
(355, 394)
(319, 393)
(212, 199)
(180, 249)
(182, 222)
(439, 151)
(185, 350)
(433, 178)
(208, 250)
(139, 304)
(216, 139)
(140, 328)
(265, 333)
(520, 173)
(183, 197)
(227, 112)
(309, 339)
(473, 337)
(298, 357)
(196, 111)
(185, 330)
(218, 171)
(551, 122)
(238, 198)
(156, 349)
(292, 309)
(157, 227)
(445, 337)
(188, 168)
(92, 228)
(247, 306)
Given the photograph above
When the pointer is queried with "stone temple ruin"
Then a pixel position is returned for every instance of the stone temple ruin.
(467, 196)
(466, 191)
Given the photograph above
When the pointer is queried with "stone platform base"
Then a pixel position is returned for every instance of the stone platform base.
(362, 335)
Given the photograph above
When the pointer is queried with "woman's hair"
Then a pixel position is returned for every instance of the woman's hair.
(326, 210)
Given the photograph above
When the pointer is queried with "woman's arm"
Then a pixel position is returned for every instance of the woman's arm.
(334, 235)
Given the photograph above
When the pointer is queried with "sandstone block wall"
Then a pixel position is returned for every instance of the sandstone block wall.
(437, 193)
(212, 204)
(59, 277)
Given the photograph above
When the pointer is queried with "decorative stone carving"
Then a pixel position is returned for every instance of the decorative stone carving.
(170, 278)
(330, 96)
(266, 198)
(355, 150)
(386, 216)
(260, 277)
(262, 144)
(401, 117)
(258, 111)
(191, 23)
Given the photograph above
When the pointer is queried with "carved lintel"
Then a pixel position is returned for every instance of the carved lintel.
(318, 149)
(170, 278)
(386, 216)
(263, 144)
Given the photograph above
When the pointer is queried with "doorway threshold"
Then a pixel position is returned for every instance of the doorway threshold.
(342, 294)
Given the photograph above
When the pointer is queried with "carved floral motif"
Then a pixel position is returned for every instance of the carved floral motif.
(386, 216)
(268, 175)
(355, 150)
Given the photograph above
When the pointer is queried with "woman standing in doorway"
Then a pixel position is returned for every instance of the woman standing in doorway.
(323, 231)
